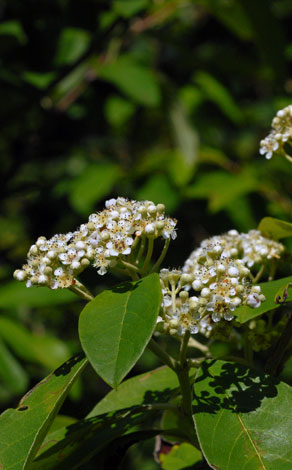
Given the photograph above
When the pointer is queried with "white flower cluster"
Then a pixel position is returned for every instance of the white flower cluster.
(251, 248)
(281, 133)
(220, 286)
(106, 238)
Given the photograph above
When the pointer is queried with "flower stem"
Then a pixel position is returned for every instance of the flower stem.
(259, 274)
(163, 355)
(81, 293)
(148, 255)
(162, 256)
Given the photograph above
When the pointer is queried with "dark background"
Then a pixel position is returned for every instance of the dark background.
(160, 100)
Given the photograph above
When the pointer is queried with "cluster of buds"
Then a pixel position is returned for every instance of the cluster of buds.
(251, 248)
(281, 133)
(262, 335)
(106, 239)
(220, 285)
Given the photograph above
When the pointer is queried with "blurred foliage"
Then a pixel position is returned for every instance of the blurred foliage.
(163, 99)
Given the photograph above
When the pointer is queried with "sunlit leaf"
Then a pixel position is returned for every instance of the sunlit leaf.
(271, 290)
(115, 327)
(243, 418)
(275, 228)
(23, 429)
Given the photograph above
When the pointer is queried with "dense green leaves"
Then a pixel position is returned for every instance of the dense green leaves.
(70, 447)
(271, 291)
(116, 326)
(275, 228)
(23, 429)
(243, 418)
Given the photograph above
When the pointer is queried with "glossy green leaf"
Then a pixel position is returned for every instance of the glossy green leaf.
(92, 185)
(42, 349)
(275, 228)
(180, 457)
(154, 386)
(11, 373)
(72, 44)
(133, 79)
(23, 429)
(116, 326)
(15, 294)
(271, 290)
(71, 447)
(242, 418)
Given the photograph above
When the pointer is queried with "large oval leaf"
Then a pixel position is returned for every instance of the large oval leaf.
(116, 326)
(22, 430)
(271, 291)
(243, 418)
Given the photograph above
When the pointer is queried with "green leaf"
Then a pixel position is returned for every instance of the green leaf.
(92, 185)
(182, 167)
(72, 44)
(13, 28)
(22, 430)
(242, 418)
(154, 386)
(62, 421)
(180, 457)
(118, 110)
(39, 348)
(37, 79)
(116, 326)
(275, 228)
(15, 294)
(135, 80)
(11, 372)
(128, 8)
(271, 290)
(220, 187)
(217, 93)
(71, 447)
(158, 188)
